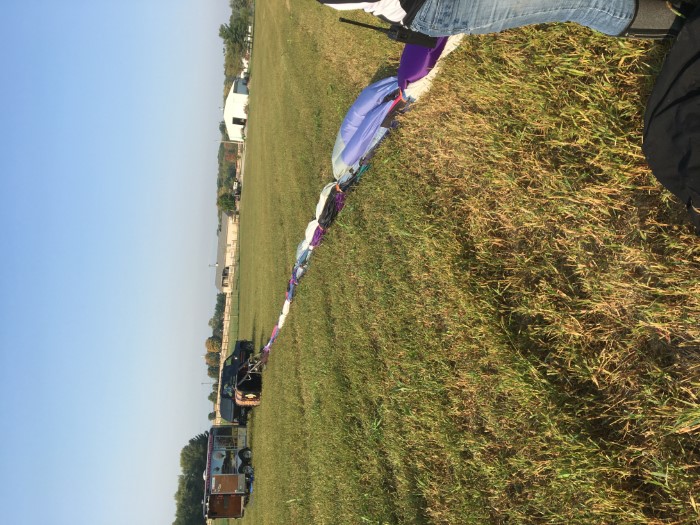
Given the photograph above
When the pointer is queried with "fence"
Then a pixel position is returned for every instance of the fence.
(231, 316)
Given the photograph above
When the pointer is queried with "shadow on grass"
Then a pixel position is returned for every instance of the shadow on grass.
(386, 70)
(253, 334)
(583, 398)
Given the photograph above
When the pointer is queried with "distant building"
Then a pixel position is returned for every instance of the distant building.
(226, 253)
(236, 110)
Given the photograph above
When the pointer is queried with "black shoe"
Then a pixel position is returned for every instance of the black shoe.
(658, 19)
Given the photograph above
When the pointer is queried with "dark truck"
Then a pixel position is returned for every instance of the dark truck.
(241, 382)
(233, 413)
(228, 477)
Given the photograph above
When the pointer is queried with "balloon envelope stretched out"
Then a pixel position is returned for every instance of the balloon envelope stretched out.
(360, 132)
(361, 129)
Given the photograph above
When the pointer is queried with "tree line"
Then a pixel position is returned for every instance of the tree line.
(234, 36)
(193, 457)
(212, 357)
(190, 486)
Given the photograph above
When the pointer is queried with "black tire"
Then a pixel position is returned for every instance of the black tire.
(245, 454)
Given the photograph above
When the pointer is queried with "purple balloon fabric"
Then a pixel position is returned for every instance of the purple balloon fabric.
(417, 61)
(360, 141)
(369, 99)
(318, 235)
(361, 124)
(339, 201)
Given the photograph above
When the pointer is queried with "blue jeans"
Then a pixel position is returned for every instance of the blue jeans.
(451, 17)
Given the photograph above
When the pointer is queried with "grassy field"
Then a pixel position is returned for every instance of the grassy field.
(503, 326)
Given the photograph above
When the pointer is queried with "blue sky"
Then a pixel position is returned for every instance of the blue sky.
(110, 116)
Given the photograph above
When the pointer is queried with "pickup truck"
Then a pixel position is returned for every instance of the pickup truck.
(241, 380)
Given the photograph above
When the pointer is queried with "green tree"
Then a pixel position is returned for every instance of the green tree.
(226, 33)
(213, 371)
(235, 31)
(193, 460)
(237, 5)
(212, 358)
(226, 202)
(213, 344)
(211, 416)
(217, 321)
(213, 396)
(231, 175)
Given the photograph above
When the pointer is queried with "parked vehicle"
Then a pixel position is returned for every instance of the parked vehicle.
(241, 379)
(233, 413)
(228, 477)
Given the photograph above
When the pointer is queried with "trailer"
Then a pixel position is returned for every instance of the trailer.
(228, 477)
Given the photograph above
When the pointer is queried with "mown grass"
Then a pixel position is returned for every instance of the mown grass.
(502, 326)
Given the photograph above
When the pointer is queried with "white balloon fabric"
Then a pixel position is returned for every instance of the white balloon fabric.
(323, 199)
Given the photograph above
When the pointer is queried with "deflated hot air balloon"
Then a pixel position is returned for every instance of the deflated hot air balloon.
(367, 122)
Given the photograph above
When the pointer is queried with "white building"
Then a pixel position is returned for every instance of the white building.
(236, 110)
